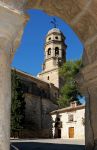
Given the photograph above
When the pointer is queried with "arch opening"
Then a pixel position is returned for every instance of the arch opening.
(81, 16)
(33, 34)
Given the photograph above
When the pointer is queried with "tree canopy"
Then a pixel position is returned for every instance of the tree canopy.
(18, 103)
(69, 91)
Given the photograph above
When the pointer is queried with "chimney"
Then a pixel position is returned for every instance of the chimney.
(73, 104)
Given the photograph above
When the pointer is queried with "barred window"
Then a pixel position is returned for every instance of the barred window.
(70, 118)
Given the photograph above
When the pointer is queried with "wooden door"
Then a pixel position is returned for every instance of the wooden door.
(71, 132)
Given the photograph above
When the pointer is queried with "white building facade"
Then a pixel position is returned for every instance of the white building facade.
(69, 122)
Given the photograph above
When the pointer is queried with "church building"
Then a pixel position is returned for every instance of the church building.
(42, 92)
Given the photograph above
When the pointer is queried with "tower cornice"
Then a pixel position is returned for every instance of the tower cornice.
(54, 41)
(55, 33)
(43, 72)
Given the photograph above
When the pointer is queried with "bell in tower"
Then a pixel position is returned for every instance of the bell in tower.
(55, 56)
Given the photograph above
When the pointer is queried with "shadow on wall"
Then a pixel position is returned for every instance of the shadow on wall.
(56, 126)
(44, 146)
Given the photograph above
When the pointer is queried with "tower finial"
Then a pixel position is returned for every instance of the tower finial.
(54, 22)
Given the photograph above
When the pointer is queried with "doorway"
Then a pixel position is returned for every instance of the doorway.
(59, 133)
(71, 132)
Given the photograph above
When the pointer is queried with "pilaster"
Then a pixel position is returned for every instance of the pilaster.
(11, 28)
(87, 81)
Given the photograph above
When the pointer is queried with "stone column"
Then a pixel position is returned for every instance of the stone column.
(89, 137)
(87, 81)
(5, 100)
(12, 23)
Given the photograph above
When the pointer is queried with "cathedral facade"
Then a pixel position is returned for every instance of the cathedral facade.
(41, 92)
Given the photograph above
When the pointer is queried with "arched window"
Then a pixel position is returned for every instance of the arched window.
(56, 51)
(49, 38)
(48, 77)
(49, 51)
(56, 37)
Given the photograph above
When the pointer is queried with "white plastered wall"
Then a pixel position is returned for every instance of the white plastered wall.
(79, 128)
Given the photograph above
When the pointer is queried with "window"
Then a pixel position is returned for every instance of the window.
(49, 38)
(56, 37)
(48, 77)
(56, 51)
(49, 51)
(70, 118)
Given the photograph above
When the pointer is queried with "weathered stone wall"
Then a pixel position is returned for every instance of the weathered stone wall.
(87, 81)
(47, 107)
(53, 75)
(37, 117)
(33, 112)
(40, 98)
(38, 87)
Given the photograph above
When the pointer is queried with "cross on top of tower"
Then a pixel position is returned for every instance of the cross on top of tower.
(54, 23)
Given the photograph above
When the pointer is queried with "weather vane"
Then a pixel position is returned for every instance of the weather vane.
(54, 22)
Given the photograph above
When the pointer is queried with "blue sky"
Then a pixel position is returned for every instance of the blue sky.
(30, 54)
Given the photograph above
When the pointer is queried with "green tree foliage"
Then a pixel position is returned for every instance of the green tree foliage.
(69, 91)
(18, 104)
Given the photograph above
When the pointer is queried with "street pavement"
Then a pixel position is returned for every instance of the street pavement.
(47, 144)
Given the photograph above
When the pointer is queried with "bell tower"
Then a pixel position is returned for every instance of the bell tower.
(55, 56)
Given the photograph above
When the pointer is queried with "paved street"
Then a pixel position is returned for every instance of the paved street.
(47, 144)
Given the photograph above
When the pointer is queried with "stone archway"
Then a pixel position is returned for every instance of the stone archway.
(81, 16)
